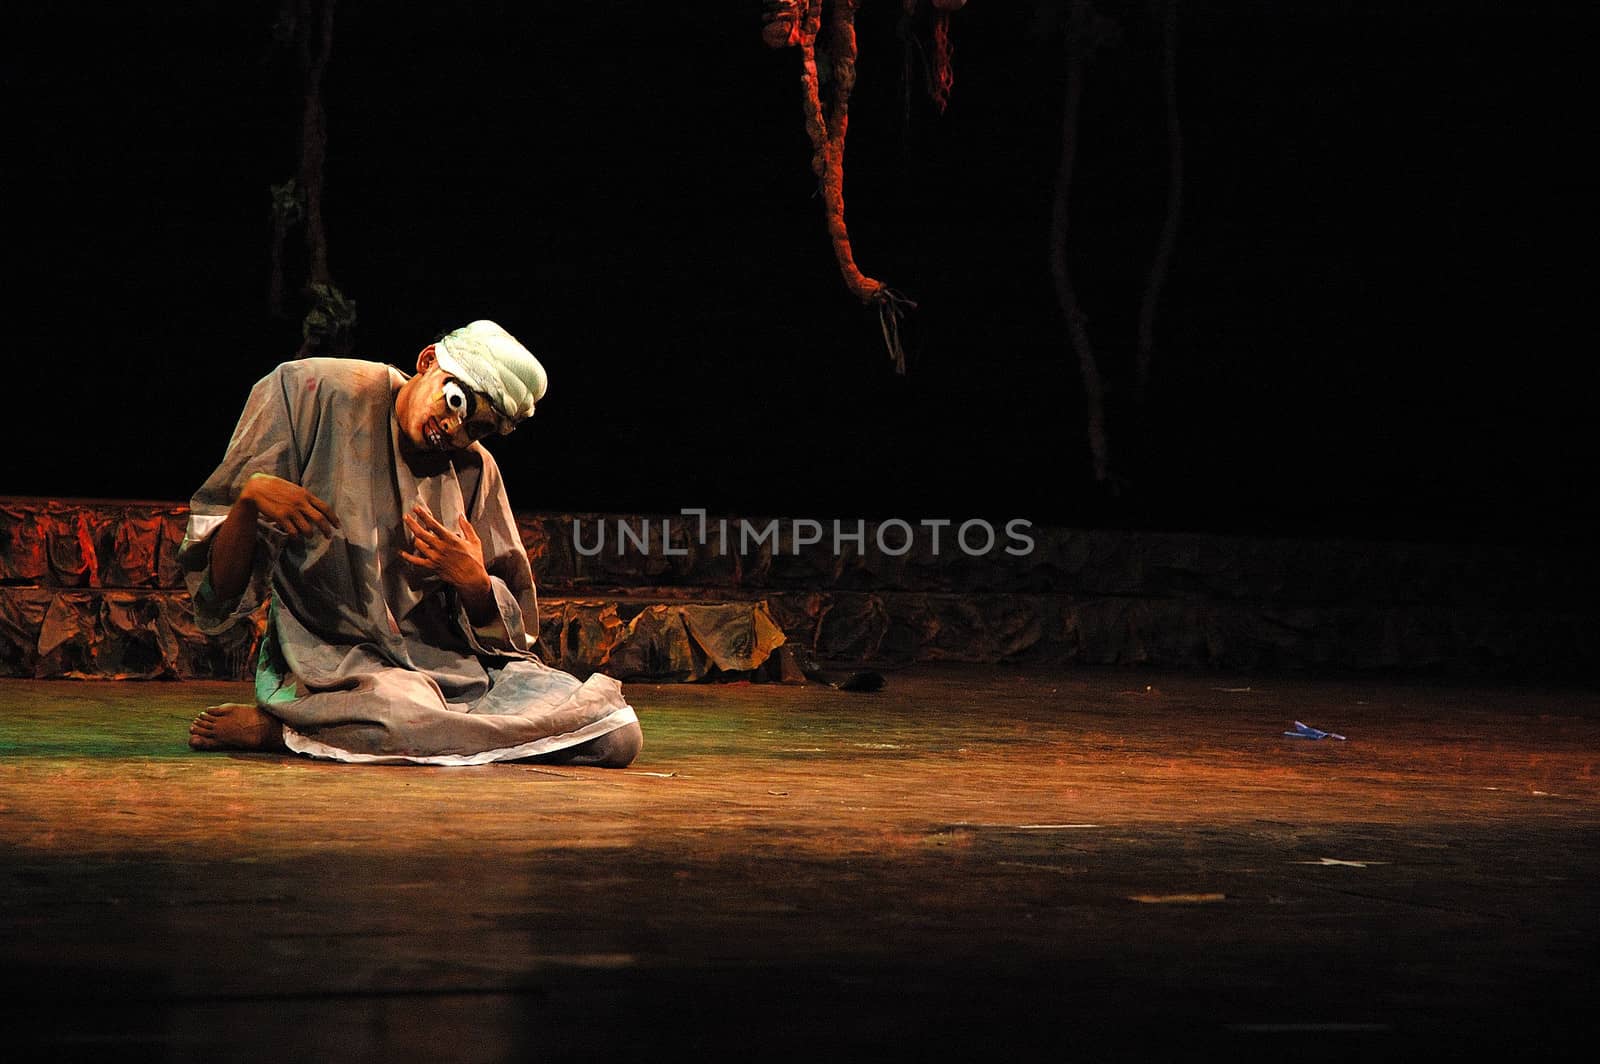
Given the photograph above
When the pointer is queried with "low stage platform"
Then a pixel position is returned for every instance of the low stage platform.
(979, 861)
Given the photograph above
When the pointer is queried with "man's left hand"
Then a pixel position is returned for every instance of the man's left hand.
(454, 557)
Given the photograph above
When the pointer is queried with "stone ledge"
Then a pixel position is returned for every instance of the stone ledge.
(1300, 572)
(50, 633)
(91, 543)
(116, 544)
(117, 634)
(678, 641)
(91, 588)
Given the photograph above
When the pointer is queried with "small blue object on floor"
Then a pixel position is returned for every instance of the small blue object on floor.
(1305, 731)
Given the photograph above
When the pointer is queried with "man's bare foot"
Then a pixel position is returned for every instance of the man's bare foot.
(236, 726)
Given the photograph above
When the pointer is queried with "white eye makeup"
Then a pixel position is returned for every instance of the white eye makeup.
(456, 401)
(460, 405)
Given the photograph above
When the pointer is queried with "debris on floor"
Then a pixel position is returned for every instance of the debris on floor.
(1305, 731)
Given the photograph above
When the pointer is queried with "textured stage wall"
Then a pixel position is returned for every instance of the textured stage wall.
(93, 589)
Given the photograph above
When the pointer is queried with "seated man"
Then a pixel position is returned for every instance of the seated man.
(359, 501)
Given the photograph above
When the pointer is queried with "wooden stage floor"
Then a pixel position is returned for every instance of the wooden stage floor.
(978, 861)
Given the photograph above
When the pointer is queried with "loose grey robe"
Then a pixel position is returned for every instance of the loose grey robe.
(367, 658)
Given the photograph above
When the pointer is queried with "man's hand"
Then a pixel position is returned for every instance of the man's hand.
(288, 505)
(454, 557)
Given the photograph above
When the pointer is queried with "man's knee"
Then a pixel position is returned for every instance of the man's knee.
(618, 748)
(615, 749)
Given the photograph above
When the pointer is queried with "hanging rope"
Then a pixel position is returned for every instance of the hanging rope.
(790, 23)
(941, 76)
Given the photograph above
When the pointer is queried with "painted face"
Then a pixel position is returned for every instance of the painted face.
(456, 416)
(437, 412)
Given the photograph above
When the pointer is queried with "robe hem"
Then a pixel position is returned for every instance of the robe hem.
(617, 718)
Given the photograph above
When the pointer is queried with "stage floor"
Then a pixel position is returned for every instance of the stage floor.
(977, 860)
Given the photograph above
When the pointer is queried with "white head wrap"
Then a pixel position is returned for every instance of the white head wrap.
(490, 361)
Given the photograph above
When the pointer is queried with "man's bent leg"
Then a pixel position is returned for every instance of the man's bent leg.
(615, 749)
(236, 726)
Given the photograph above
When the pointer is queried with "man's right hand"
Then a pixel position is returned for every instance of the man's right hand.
(288, 505)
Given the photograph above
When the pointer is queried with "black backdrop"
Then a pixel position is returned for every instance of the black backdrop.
(1375, 322)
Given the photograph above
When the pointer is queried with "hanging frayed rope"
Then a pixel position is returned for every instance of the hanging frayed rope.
(941, 74)
(799, 23)
(892, 308)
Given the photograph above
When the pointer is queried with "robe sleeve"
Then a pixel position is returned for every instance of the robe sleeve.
(509, 573)
(263, 442)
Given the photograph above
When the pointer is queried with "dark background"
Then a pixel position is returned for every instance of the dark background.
(1376, 323)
